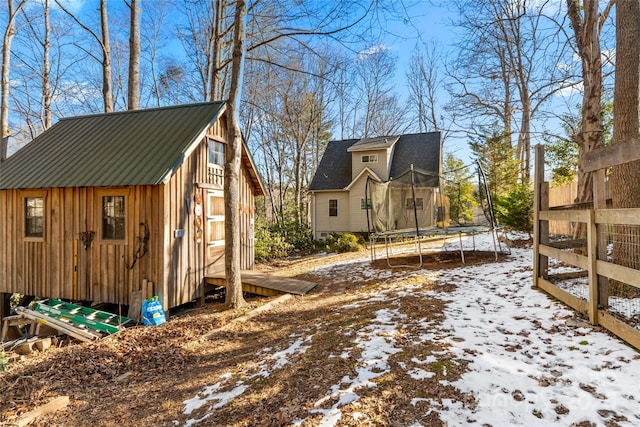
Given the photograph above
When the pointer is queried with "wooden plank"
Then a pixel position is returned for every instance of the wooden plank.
(5, 305)
(568, 244)
(599, 203)
(540, 264)
(570, 258)
(53, 405)
(620, 273)
(592, 239)
(627, 333)
(618, 216)
(268, 281)
(565, 215)
(66, 328)
(135, 305)
(568, 275)
(612, 155)
(572, 301)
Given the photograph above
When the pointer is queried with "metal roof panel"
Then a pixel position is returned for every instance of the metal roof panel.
(138, 147)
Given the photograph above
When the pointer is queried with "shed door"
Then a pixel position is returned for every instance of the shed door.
(214, 230)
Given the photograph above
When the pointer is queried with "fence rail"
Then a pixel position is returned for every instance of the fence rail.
(596, 285)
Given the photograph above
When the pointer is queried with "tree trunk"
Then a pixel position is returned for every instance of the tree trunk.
(234, 298)
(587, 34)
(133, 86)
(215, 79)
(625, 179)
(6, 59)
(107, 92)
(46, 69)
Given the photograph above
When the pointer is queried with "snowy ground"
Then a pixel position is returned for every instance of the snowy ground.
(528, 360)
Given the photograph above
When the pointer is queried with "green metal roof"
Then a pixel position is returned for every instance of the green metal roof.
(140, 147)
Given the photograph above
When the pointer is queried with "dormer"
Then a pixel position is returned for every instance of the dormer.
(373, 153)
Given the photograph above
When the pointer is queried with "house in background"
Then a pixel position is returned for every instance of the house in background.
(338, 203)
(97, 204)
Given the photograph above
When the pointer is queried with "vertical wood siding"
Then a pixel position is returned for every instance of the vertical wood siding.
(176, 265)
(45, 267)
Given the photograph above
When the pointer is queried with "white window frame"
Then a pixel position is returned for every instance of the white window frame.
(35, 195)
(332, 208)
(369, 158)
(419, 203)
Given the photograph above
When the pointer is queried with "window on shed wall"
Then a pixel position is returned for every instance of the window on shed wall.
(365, 203)
(113, 220)
(34, 217)
(216, 153)
(333, 207)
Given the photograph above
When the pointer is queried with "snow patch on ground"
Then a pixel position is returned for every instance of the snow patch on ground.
(528, 363)
(221, 391)
(377, 343)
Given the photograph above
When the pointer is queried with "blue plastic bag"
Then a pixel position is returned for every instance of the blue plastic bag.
(152, 312)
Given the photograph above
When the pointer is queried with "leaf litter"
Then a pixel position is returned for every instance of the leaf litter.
(446, 344)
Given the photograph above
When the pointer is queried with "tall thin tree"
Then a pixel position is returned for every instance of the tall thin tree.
(234, 298)
(105, 43)
(133, 85)
(9, 32)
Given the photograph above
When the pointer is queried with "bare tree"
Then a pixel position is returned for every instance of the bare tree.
(378, 106)
(133, 86)
(424, 84)
(587, 23)
(105, 44)
(153, 39)
(206, 38)
(292, 130)
(625, 179)
(33, 96)
(9, 32)
(234, 298)
(507, 44)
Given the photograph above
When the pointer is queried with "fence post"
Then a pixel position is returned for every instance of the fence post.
(540, 228)
(592, 246)
(600, 202)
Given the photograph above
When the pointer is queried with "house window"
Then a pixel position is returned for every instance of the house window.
(370, 158)
(419, 204)
(365, 203)
(216, 153)
(333, 207)
(113, 223)
(34, 217)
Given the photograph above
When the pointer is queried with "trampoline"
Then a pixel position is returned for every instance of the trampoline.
(420, 204)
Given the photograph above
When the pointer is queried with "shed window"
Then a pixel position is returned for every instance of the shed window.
(333, 207)
(365, 203)
(216, 153)
(34, 217)
(419, 203)
(113, 224)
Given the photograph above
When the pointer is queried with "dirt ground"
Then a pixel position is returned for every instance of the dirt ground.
(142, 376)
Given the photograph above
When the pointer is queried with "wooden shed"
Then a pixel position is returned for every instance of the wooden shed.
(97, 204)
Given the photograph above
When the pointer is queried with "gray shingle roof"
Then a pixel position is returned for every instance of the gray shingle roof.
(334, 170)
(422, 150)
(140, 147)
(374, 143)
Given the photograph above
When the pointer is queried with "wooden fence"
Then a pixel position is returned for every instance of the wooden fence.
(594, 260)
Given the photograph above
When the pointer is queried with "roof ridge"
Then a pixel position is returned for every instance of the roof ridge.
(142, 110)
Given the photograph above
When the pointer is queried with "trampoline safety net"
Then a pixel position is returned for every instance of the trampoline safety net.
(419, 202)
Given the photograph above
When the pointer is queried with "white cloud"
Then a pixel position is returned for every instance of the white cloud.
(372, 50)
